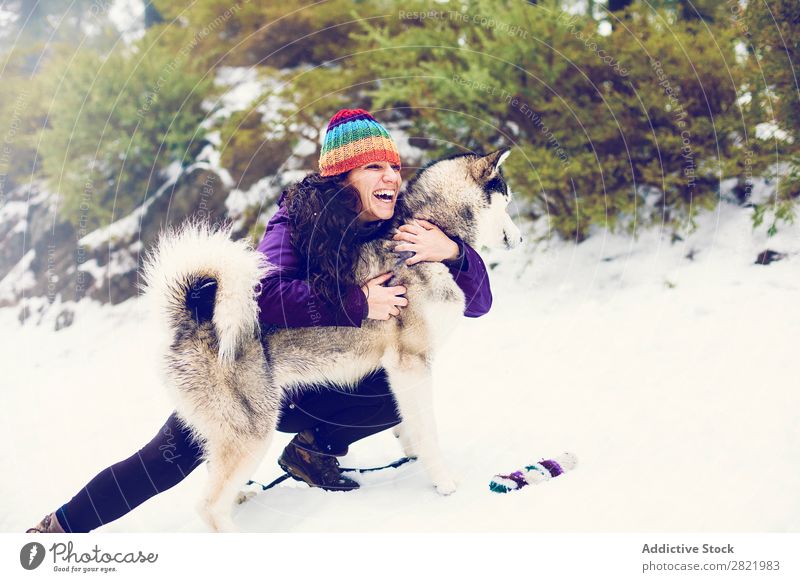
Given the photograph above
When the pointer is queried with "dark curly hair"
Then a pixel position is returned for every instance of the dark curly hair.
(323, 212)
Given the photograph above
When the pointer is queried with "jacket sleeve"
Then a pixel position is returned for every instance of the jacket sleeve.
(286, 298)
(470, 275)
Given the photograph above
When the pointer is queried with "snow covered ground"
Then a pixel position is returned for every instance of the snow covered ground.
(673, 380)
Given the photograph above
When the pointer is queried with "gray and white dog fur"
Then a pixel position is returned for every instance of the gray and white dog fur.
(227, 378)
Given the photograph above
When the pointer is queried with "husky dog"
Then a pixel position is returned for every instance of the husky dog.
(228, 379)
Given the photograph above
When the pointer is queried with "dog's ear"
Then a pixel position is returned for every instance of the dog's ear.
(485, 168)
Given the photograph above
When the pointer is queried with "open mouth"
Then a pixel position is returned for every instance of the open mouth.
(384, 196)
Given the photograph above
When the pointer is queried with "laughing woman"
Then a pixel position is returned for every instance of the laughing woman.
(313, 241)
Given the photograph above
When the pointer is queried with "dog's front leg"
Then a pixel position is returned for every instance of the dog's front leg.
(230, 463)
(412, 385)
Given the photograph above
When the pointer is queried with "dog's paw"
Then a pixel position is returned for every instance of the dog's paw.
(445, 486)
(409, 452)
(215, 521)
(244, 496)
(225, 526)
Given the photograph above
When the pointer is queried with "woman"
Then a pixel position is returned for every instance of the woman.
(313, 242)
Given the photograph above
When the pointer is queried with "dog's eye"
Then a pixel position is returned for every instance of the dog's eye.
(495, 185)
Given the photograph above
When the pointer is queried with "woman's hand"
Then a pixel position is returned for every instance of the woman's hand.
(384, 302)
(426, 241)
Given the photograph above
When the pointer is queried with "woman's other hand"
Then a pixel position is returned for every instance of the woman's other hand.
(427, 241)
(384, 302)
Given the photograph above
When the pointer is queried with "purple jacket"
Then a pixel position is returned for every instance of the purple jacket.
(286, 299)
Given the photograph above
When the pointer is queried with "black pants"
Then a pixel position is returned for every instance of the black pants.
(338, 418)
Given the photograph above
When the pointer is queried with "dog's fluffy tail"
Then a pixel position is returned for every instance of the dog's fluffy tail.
(195, 271)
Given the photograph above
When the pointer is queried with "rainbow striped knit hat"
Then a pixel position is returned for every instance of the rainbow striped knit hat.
(354, 138)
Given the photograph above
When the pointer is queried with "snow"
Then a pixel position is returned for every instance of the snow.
(769, 130)
(13, 210)
(292, 176)
(238, 201)
(210, 158)
(18, 279)
(120, 262)
(123, 229)
(127, 16)
(669, 378)
(97, 272)
(244, 84)
(127, 227)
(21, 226)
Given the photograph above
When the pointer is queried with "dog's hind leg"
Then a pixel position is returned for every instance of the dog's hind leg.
(412, 385)
(231, 463)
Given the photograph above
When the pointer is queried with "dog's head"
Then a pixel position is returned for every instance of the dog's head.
(467, 196)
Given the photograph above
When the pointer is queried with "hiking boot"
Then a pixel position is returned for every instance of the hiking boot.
(303, 460)
(49, 524)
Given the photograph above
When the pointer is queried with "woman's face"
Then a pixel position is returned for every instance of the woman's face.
(378, 184)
